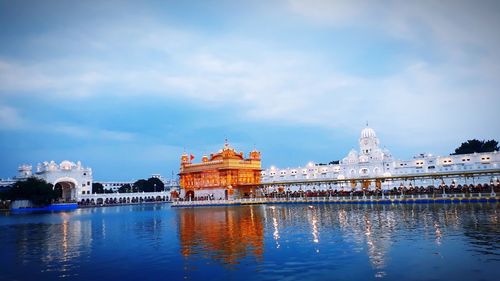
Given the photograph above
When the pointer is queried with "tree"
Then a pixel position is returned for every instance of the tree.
(126, 188)
(475, 145)
(140, 185)
(149, 185)
(36, 190)
(155, 184)
(97, 188)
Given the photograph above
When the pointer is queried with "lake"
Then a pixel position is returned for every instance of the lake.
(260, 242)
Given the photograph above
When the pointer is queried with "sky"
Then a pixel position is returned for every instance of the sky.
(126, 87)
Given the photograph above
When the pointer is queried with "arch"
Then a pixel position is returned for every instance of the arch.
(190, 195)
(364, 171)
(68, 188)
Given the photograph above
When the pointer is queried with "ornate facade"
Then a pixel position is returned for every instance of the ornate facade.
(372, 161)
(223, 175)
(73, 179)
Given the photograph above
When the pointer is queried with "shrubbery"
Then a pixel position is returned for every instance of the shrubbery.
(38, 191)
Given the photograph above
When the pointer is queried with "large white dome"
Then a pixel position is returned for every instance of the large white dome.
(368, 133)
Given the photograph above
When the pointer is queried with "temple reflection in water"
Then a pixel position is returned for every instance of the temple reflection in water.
(255, 242)
(228, 234)
(223, 233)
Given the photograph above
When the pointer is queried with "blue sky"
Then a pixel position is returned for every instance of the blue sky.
(127, 86)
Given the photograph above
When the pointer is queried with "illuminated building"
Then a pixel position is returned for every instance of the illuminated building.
(223, 175)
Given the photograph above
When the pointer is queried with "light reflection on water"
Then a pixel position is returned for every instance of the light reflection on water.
(291, 242)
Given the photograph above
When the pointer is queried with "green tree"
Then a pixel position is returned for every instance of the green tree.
(140, 185)
(149, 185)
(155, 184)
(475, 145)
(36, 190)
(97, 188)
(126, 188)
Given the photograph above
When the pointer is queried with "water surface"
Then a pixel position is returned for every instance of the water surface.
(285, 242)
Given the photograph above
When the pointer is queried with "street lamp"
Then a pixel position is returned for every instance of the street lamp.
(492, 190)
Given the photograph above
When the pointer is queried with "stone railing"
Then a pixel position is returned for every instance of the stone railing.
(345, 199)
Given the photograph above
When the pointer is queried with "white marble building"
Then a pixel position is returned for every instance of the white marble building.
(372, 161)
(74, 179)
(115, 185)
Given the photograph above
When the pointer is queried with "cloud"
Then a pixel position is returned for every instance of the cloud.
(89, 133)
(265, 83)
(10, 118)
(458, 27)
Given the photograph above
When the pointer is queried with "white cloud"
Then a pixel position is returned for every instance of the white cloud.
(269, 84)
(89, 133)
(10, 118)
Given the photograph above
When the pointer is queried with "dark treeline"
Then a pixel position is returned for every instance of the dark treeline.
(36, 190)
(478, 146)
(142, 185)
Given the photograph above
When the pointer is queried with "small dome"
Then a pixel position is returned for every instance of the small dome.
(368, 133)
(66, 165)
(352, 154)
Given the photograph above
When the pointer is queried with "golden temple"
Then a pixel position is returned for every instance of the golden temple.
(224, 175)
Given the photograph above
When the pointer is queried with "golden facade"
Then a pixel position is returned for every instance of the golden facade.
(228, 171)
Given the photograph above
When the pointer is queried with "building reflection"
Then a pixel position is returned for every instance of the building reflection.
(224, 234)
(56, 245)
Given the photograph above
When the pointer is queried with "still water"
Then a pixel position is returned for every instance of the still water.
(280, 242)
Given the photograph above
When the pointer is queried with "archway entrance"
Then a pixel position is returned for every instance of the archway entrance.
(66, 191)
(189, 195)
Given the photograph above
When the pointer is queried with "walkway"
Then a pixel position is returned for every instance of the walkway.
(389, 199)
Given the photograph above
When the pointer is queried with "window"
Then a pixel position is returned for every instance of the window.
(88, 183)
